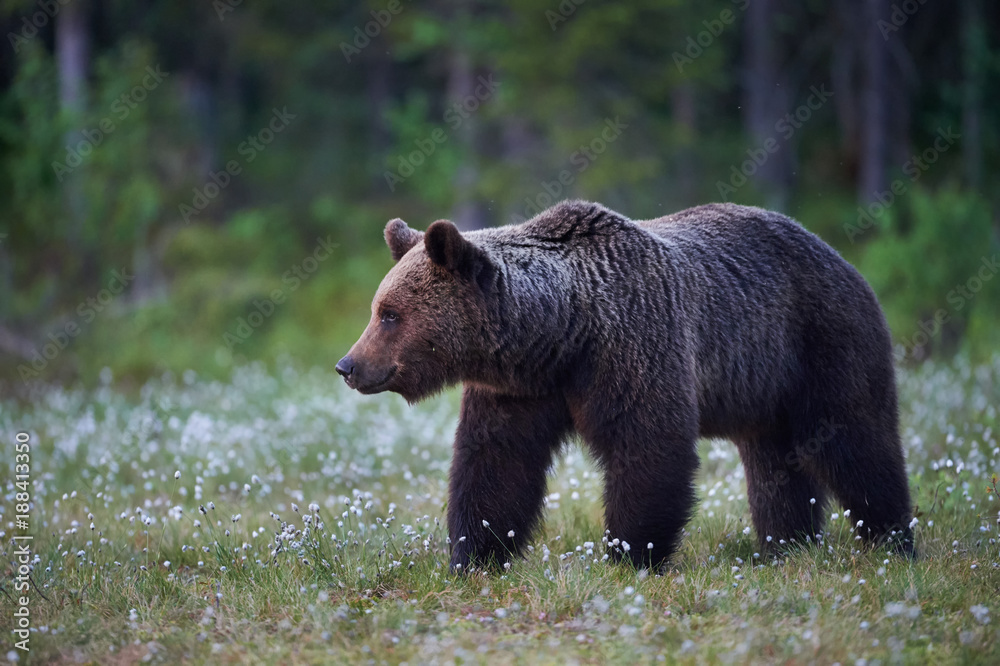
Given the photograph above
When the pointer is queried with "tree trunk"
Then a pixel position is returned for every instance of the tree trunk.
(904, 78)
(378, 84)
(844, 62)
(973, 49)
(685, 168)
(766, 96)
(875, 96)
(73, 55)
(73, 61)
(468, 213)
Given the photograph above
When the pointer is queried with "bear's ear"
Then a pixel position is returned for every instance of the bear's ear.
(447, 248)
(400, 238)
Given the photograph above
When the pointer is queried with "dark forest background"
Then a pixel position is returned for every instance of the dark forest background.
(199, 184)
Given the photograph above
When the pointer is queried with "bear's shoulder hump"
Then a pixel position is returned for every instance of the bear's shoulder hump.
(572, 219)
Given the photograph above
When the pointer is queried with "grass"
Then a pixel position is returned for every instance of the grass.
(321, 540)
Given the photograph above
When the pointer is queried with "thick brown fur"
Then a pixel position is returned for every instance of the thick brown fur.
(718, 321)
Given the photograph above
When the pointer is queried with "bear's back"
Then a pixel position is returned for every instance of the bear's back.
(747, 296)
(775, 298)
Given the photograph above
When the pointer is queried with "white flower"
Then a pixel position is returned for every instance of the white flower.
(913, 523)
(649, 546)
(314, 507)
(511, 534)
(625, 546)
(177, 474)
(486, 523)
(254, 479)
(812, 500)
(981, 613)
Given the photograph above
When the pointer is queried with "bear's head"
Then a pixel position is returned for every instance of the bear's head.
(428, 325)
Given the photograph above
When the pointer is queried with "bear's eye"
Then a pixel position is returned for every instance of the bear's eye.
(389, 317)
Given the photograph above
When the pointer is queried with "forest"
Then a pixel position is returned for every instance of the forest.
(201, 184)
(193, 196)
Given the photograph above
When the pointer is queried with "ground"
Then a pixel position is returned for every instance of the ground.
(280, 518)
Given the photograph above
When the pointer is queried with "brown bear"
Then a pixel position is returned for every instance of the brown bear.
(642, 336)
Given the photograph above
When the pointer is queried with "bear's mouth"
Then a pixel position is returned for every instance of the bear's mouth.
(379, 385)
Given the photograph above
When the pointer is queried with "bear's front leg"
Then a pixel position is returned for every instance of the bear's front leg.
(649, 457)
(503, 448)
(648, 498)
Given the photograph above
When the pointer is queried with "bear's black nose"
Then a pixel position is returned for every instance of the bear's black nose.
(345, 366)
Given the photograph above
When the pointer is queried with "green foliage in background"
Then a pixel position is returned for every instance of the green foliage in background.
(205, 247)
(934, 258)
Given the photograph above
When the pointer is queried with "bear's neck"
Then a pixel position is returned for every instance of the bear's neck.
(531, 326)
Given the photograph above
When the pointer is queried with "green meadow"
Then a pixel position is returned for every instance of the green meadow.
(278, 517)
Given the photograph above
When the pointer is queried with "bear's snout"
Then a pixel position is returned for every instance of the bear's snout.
(365, 376)
(345, 367)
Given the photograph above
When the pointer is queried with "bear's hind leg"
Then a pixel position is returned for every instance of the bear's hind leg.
(786, 502)
(864, 468)
(503, 448)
